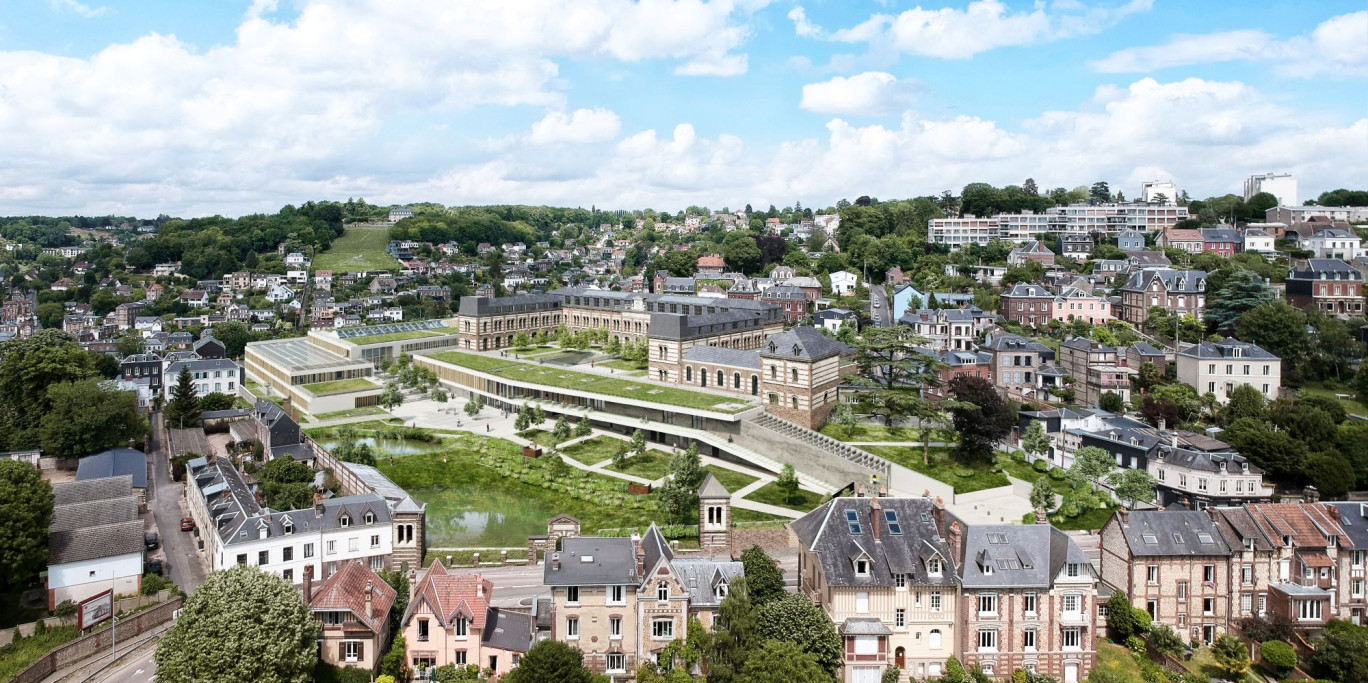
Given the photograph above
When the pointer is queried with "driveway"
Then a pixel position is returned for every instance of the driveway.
(186, 565)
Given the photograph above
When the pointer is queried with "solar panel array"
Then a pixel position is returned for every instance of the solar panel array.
(375, 330)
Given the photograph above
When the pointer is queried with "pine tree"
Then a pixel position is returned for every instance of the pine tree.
(184, 407)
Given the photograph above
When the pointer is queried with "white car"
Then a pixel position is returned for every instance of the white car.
(876, 304)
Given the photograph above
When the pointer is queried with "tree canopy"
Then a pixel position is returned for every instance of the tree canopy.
(25, 514)
(981, 417)
(89, 416)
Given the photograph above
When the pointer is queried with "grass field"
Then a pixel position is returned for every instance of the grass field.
(357, 249)
(355, 412)
(731, 479)
(341, 386)
(770, 493)
(541, 437)
(649, 465)
(395, 336)
(868, 432)
(15, 656)
(593, 451)
(942, 468)
(620, 364)
(1117, 661)
(594, 384)
(1351, 406)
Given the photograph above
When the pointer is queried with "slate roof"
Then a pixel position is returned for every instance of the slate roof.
(93, 542)
(506, 630)
(702, 577)
(1023, 289)
(1173, 281)
(1353, 520)
(1225, 349)
(1021, 556)
(826, 531)
(94, 513)
(92, 489)
(712, 488)
(112, 463)
(1215, 235)
(803, 342)
(345, 590)
(592, 561)
(91, 520)
(864, 626)
(742, 358)
(1172, 533)
(390, 491)
(1325, 268)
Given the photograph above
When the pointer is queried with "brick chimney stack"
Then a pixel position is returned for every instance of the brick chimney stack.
(370, 604)
(956, 540)
(318, 505)
(640, 553)
(555, 562)
(1040, 517)
(1125, 515)
(479, 586)
(875, 512)
(308, 583)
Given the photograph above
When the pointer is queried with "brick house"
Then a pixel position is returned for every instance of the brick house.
(352, 608)
(1330, 285)
(1179, 291)
(801, 375)
(449, 621)
(1028, 304)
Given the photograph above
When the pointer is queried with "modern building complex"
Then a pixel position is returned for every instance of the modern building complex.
(1072, 219)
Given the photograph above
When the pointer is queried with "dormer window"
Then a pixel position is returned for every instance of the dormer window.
(370, 517)
(721, 590)
(933, 566)
(862, 567)
(287, 526)
(344, 521)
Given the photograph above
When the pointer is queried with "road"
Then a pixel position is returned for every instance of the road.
(882, 313)
(139, 669)
(184, 566)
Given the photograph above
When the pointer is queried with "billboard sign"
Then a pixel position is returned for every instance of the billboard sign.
(95, 609)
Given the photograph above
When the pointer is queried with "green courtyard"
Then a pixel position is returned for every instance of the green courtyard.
(941, 467)
(341, 386)
(397, 336)
(359, 248)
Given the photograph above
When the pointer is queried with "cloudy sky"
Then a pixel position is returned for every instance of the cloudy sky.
(197, 107)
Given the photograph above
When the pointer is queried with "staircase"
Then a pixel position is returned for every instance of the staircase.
(827, 445)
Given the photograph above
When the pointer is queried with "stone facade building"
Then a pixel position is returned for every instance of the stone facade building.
(1178, 291)
(801, 372)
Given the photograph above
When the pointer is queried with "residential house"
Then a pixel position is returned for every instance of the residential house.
(1185, 239)
(1076, 246)
(1219, 367)
(1334, 243)
(1097, 369)
(884, 570)
(944, 329)
(1258, 241)
(843, 282)
(1027, 599)
(905, 299)
(833, 318)
(1035, 251)
(1179, 291)
(1330, 285)
(352, 608)
(165, 269)
(1353, 519)
(95, 540)
(1074, 303)
(1174, 564)
(1224, 241)
(1028, 304)
(1139, 353)
(792, 300)
(280, 294)
(449, 621)
(1016, 361)
(969, 362)
(711, 265)
(196, 298)
(219, 375)
(143, 365)
(209, 348)
(1130, 240)
(1148, 260)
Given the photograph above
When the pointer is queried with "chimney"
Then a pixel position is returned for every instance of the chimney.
(479, 586)
(1162, 424)
(640, 553)
(1310, 494)
(875, 512)
(1125, 514)
(1211, 512)
(938, 515)
(956, 540)
(318, 505)
(1040, 517)
(859, 490)
(370, 604)
(555, 562)
(308, 583)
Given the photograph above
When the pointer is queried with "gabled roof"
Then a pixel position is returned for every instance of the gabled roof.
(1016, 555)
(1171, 533)
(829, 532)
(452, 596)
(345, 590)
(805, 343)
(1023, 289)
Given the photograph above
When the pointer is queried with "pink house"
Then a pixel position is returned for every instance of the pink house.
(1076, 304)
(449, 621)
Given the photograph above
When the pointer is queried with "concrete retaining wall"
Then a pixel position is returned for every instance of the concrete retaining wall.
(804, 457)
(63, 656)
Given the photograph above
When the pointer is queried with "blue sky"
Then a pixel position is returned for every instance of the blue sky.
(196, 107)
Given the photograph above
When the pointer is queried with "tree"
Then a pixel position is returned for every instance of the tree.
(1121, 622)
(1112, 402)
(128, 344)
(1232, 656)
(538, 415)
(1042, 494)
(1091, 464)
(25, 515)
(90, 416)
(1133, 486)
(241, 624)
(893, 369)
(743, 255)
(1277, 328)
(764, 578)
(1330, 473)
(1245, 402)
(1165, 639)
(891, 674)
(787, 483)
(844, 415)
(639, 444)
(680, 491)
(1279, 655)
(285, 484)
(234, 336)
(561, 431)
(1100, 192)
(216, 400)
(184, 407)
(523, 420)
(1342, 655)
(28, 367)
(796, 619)
(473, 406)
(391, 397)
(584, 427)
(439, 395)
(551, 660)
(736, 634)
(1147, 377)
(981, 417)
(1036, 442)
(778, 661)
(1243, 292)
(521, 340)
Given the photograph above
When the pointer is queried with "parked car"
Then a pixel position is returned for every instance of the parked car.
(150, 541)
(187, 524)
(155, 567)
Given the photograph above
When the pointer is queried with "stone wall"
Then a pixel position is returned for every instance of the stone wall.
(805, 458)
(65, 655)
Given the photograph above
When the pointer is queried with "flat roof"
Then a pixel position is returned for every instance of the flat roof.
(357, 335)
(297, 354)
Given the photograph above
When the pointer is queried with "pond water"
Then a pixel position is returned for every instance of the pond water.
(479, 517)
(390, 446)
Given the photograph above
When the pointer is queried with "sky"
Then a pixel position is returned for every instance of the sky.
(203, 107)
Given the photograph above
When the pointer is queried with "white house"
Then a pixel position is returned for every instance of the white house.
(210, 375)
(843, 283)
(280, 294)
(295, 259)
(1258, 240)
(1219, 367)
(1335, 243)
(296, 276)
(95, 542)
(165, 269)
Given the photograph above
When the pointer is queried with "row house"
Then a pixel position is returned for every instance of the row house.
(1028, 304)
(1330, 285)
(449, 621)
(1074, 303)
(621, 601)
(1219, 367)
(1183, 239)
(1179, 291)
(1028, 594)
(1224, 242)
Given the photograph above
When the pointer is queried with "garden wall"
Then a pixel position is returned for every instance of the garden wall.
(81, 648)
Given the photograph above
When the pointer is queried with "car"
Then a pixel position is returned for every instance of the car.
(155, 567)
(150, 541)
(876, 304)
(187, 524)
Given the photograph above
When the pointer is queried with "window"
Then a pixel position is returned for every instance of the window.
(987, 603)
(1209, 572)
(264, 557)
(662, 629)
(617, 662)
(1028, 639)
(866, 645)
(891, 516)
(853, 521)
(615, 627)
(721, 590)
(1073, 569)
(308, 550)
(987, 640)
(375, 541)
(615, 595)
(933, 640)
(900, 617)
(332, 547)
(1072, 638)
(862, 602)
(862, 567)
(1152, 573)
(1247, 574)
(1072, 603)
(572, 627)
(1028, 603)
(1246, 603)
(572, 595)
(1208, 605)
(933, 566)
(288, 575)
(287, 554)
(344, 521)
(460, 626)
(423, 630)
(900, 580)
(351, 651)
(1309, 609)
(351, 545)
(459, 658)
(663, 592)
(935, 601)
(1182, 591)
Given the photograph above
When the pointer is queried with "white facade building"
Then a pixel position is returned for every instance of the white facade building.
(843, 282)
(1280, 185)
(1219, 367)
(210, 375)
(1151, 189)
(95, 541)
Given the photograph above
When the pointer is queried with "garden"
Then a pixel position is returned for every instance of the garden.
(965, 478)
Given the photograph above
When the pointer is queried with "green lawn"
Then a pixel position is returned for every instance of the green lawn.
(357, 249)
(1351, 406)
(594, 384)
(869, 432)
(1021, 470)
(964, 479)
(649, 465)
(734, 481)
(541, 437)
(770, 493)
(397, 336)
(1117, 660)
(341, 386)
(1091, 520)
(595, 450)
(620, 364)
(355, 412)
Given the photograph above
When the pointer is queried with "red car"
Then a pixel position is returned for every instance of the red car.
(187, 524)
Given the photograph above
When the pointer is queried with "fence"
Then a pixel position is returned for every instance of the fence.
(63, 656)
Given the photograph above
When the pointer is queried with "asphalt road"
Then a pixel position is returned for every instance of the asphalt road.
(184, 566)
(140, 669)
(881, 315)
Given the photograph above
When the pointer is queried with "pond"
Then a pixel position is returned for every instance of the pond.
(390, 446)
(481, 518)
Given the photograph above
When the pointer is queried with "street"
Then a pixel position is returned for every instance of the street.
(880, 311)
(139, 669)
(183, 564)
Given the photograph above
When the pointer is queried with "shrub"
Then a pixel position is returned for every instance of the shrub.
(1058, 473)
(1040, 465)
(1278, 654)
(153, 584)
(963, 473)
(1135, 644)
(1165, 639)
(1019, 455)
(1142, 620)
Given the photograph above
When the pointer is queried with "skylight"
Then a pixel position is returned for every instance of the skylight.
(1151, 538)
(853, 519)
(891, 516)
(997, 538)
(1205, 538)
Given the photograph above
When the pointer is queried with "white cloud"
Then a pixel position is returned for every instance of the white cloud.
(950, 33)
(78, 8)
(866, 94)
(1338, 46)
(581, 126)
(801, 25)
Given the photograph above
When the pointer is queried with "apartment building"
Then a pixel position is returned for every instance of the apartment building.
(801, 373)
(1280, 185)
(1096, 368)
(210, 375)
(1174, 564)
(1180, 291)
(620, 601)
(449, 621)
(1017, 362)
(1219, 367)
(884, 570)
(1027, 600)
(1330, 285)
(957, 232)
